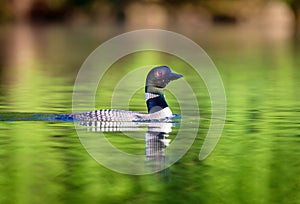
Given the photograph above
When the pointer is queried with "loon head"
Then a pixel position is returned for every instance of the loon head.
(157, 80)
(159, 77)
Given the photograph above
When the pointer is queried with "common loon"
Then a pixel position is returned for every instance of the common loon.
(157, 80)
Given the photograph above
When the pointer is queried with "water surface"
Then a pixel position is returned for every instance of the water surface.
(255, 161)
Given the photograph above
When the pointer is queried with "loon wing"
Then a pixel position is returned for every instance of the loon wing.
(121, 115)
(108, 115)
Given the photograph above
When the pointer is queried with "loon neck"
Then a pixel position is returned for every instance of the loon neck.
(155, 99)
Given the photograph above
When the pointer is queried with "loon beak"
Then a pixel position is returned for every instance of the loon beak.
(174, 76)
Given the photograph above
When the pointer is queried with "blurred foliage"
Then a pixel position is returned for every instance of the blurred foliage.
(59, 10)
(5, 11)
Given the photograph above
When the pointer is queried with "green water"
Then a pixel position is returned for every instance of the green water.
(255, 161)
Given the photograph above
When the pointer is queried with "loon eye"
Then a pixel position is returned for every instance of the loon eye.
(159, 73)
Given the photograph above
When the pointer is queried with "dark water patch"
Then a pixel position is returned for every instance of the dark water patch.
(11, 117)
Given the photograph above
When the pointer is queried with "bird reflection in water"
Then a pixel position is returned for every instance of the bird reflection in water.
(156, 138)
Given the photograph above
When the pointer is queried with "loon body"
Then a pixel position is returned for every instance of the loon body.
(157, 80)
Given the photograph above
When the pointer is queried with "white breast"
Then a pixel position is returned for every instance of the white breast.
(164, 113)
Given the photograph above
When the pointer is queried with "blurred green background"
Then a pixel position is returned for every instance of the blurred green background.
(255, 46)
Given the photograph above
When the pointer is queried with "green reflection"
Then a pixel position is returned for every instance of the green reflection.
(256, 160)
